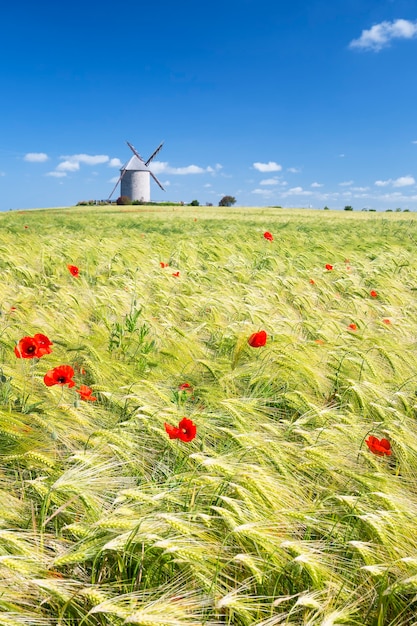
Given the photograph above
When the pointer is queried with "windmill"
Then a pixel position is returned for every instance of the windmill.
(135, 177)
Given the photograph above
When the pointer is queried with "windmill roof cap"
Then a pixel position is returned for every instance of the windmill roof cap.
(135, 165)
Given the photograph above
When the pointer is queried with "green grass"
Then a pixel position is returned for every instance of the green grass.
(277, 512)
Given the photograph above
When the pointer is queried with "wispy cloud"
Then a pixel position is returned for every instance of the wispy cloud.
(346, 183)
(56, 174)
(402, 181)
(36, 157)
(163, 167)
(269, 181)
(294, 170)
(316, 185)
(87, 159)
(266, 193)
(380, 35)
(271, 166)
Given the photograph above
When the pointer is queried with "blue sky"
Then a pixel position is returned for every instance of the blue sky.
(289, 103)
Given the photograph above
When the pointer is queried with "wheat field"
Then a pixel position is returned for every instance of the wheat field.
(277, 511)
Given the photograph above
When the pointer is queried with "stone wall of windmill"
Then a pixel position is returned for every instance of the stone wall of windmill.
(136, 185)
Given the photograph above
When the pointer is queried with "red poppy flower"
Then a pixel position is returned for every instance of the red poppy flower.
(186, 430)
(74, 270)
(162, 264)
(312, 282)
(43, 343)
(380, 447)
(185, 387)
(31, 347)
(268, 236)
(347, 260)
(352, 326)
(328, 267)
(176, 274)
(86, 393)
(386, 321)
(373, 293)
(26, 226)
(61, 375)
(26, 348)
(320, 342)
(257, 340)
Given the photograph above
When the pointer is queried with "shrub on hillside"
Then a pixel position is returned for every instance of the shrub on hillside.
(123, 200)
(227, 201)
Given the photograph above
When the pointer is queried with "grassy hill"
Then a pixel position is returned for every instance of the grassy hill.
(277, 511)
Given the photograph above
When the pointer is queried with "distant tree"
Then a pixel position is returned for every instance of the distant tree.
(388, 211)
(372, 210)
(227, 201)
(348, 208)
(406, 211)
(326, 208)
(194, 203)
(124, 200)
(398, 210)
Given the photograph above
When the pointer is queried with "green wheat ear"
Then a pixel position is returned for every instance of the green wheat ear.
(277, 512)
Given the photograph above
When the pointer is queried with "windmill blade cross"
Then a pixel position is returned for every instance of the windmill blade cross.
(118, 181)
(135, 152)
(153, 155)
(156, 180)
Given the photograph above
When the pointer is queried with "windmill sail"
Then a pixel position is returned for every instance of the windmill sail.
(135, 176)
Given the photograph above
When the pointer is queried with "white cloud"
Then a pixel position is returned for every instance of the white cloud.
(297, 191)
(207, 185)
(36, 157)
(402, 181)
(159, 167)
(271, 166)
(68, 166)
(316, 185)
(414, 142)
(56, 174)
(115, 163)
(294, 170)
(269, 181)
(380, 35)
(346, 183)
(360, 188)
(341, 156)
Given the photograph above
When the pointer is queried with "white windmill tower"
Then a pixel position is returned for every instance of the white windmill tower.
(135, 177)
